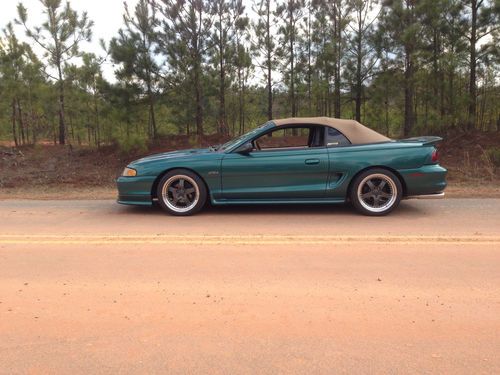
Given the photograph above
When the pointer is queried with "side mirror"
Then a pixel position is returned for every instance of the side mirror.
(245, 148)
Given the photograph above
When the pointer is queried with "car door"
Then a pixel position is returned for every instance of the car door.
(276, 173)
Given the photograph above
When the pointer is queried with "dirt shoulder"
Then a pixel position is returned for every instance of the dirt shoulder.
(58, 193)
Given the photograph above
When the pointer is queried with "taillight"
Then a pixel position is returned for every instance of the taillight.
(435, 156)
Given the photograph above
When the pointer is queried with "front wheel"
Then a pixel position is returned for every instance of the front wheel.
(181, 193)
(376, 192)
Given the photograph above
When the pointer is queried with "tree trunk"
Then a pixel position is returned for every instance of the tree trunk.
(243, 92)
(14, 132)
(471, 122)
(223, 128)
(71, 127)
(337, 56)
(240, 101)
(199, 107)
(269, 64)
(409, 92)
(426, 113)
(358, 68)
(62, 128)
(31, 114)
(89, 130)
(309, 67)
(154, 132)
(197, 78)
(54, 132)
(222, 100)
(97, 123)
(386, 105)
(21, 122)
(292, 60)
(269, 90)
(482, 108)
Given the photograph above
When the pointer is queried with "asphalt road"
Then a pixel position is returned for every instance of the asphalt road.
(94, 287)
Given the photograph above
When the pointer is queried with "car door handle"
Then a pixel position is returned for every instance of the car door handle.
(312, 161)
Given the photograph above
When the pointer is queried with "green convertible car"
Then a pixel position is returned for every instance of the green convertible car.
(297, 160)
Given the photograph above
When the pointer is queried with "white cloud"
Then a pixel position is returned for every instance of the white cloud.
(106, 14)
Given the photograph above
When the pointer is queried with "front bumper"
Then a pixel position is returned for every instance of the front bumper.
(135, 190)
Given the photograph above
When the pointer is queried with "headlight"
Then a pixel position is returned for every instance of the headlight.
(129, 172)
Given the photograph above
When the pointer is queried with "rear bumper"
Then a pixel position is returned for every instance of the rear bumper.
(135, 190)
(424, 181)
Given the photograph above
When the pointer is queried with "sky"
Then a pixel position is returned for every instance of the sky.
(106, 14)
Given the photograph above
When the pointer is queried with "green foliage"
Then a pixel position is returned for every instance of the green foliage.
(493, 155)
(132, 144)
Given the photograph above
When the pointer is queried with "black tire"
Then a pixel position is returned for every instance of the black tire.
(181, 198)
(380, 200)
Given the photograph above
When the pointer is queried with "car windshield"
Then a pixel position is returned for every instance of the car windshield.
(249, 134)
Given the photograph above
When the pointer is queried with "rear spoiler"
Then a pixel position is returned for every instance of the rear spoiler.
(426, 141)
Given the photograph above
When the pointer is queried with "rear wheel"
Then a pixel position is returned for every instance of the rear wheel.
(376, 192)
(181, 193)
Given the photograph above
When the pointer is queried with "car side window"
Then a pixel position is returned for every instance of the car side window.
(286, 138)
(334, 138)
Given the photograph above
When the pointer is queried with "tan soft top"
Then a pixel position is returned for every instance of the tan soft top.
(353, 130)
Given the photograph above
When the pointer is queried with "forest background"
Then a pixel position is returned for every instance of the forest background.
(194, 72)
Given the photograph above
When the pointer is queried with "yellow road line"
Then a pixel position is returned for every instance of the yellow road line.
(244, 239)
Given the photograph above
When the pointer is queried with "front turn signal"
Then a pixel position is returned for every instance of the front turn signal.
(129, 172)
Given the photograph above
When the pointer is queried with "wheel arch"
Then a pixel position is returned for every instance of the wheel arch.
(395, 172)
(154, 187)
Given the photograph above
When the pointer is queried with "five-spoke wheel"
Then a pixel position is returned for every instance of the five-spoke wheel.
(376, 192)
(181, 192)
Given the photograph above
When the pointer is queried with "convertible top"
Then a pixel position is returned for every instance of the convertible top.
(353, 130)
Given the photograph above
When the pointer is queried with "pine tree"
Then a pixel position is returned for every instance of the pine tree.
(291, 12)
(134, 49)
(242, 62)
(400, 24)
(183, 33)
(59, 37)
(227, 14)
(360, 49)
(264, 47)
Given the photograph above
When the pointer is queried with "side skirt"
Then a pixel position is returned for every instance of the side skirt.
(278, 201)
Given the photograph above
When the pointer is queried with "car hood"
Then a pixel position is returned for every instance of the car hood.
(172, 155)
